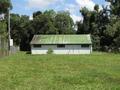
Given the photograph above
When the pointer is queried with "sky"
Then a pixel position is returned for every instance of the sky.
(27, 7)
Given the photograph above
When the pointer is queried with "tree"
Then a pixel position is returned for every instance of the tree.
(64, 23)
(96, 8)
(3, 28)
(115, 7)
(21, 31)
(4, 5)
(94, 23)
(15, 28)
(113, 32)
(50, 25)
(80, 27)
(113, 27)
(37, 14)
(50, 13)
(50, 22)
(90, 25)
(43, 25)
(103, 25)
(86, 16)
(24, 29)
(3, 35)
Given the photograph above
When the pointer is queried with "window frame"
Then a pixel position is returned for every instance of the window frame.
(85, 45)
(37, 45)
(60, 45)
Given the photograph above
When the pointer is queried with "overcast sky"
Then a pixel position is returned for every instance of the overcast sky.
(27, 7)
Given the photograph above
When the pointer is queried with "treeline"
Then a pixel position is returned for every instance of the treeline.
(103, 25)
(49, 22)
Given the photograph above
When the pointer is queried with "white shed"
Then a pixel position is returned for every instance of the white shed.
(61, 44)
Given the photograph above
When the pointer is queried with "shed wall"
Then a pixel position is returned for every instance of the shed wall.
(69, 49)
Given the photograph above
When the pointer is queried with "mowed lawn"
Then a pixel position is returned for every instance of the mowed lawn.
(60, 72)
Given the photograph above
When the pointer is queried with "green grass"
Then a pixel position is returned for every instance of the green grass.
(60, 72)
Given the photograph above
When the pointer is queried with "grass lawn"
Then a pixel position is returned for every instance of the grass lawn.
(60, 72)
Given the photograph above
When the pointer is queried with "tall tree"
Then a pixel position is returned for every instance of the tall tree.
(115, 7)
(86, 16)
(36, 13)
(113, 28)
(24, 29)
(44, 24)
(21, 31)
(94, 23)
(3, 28)
(64, 23)
(15, 28)
(4, 5)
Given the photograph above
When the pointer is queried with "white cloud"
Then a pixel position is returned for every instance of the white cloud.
(86, 3)
(40, 3)
(76, 18)
(71, 8)
(107, 4)
(31, 17)
(2, 16)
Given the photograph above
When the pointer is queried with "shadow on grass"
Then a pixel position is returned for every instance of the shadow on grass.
(28, 52)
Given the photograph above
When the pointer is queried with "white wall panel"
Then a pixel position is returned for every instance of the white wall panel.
(69, 49)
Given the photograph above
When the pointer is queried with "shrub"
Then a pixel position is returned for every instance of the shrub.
(50, 51)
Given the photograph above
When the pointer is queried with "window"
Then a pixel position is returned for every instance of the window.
(37, 45)
(85, 45)
(61, 46)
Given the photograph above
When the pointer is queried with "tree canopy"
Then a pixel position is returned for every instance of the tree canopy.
(5, 5)
(103, 25)
(49, 22)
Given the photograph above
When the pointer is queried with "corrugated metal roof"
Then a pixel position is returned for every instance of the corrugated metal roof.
(61, 39)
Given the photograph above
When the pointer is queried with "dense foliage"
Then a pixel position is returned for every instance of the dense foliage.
(48, 22)
(4, 5)
(103, 25)
(3, 27)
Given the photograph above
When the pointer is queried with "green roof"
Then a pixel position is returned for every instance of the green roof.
(61, 39)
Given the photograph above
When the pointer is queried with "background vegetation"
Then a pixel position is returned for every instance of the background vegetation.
(103, 25)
